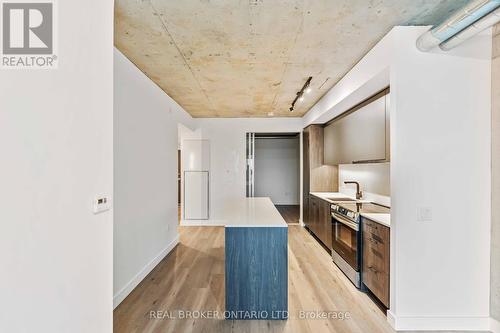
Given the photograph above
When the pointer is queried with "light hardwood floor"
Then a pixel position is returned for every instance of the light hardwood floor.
(192, 278)
(290, 213)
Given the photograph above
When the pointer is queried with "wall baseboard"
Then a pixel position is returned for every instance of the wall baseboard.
(435, 323)
(125, 291)
(494, 325)
(391, 319)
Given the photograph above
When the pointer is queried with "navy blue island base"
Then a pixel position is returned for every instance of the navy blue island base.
(256, 273)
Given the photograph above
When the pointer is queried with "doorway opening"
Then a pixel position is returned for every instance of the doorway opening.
(273, 170)
(179, 184)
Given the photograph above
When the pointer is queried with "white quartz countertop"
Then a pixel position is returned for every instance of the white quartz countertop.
(324, 195)
(332, 195)
(252, 212)
(384, 219)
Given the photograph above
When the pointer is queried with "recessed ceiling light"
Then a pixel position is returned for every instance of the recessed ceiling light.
(301, 98)
(308, 90)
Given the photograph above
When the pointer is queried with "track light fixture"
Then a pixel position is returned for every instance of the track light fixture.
(300, 95)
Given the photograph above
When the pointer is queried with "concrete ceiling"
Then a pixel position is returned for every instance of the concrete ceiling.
(248, 58)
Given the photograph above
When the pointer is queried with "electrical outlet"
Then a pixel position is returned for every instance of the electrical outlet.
(424, 214)
(102, 203)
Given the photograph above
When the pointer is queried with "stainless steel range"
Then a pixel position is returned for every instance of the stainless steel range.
(346, 236)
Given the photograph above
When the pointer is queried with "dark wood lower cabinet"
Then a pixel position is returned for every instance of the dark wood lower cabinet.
(305, 210)
(325, 223)
(319, 220)
(313, 214)
(376, 259)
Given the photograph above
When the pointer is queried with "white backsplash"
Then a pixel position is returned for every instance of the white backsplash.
(374, 180)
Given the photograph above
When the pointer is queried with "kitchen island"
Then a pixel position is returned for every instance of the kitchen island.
(256, 260)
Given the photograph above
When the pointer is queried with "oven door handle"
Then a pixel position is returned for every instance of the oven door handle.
(346, 222)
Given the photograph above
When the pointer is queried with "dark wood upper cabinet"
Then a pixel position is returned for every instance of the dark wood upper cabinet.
(317, 177)
(315, 146)
(360, 135)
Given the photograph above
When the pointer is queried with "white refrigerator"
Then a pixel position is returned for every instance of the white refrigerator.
(196, 166)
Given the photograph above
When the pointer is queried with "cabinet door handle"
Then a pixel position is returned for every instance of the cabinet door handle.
(378, 160)
(377, 238)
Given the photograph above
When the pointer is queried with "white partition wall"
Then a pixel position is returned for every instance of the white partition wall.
(196, 155)
(196, 169)
(56, 139)
(145, 175)
(196, 199)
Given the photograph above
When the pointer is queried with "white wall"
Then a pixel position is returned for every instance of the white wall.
(375, 181)
(277, 167)
(145, 175)
(56, 132)
(495, 167)
(440, 159)
(228, 156)
(185, 133)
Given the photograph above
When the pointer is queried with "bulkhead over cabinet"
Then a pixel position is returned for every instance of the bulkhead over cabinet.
(361, 135)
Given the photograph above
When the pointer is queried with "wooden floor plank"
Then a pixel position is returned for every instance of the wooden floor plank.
(191, 277)
(290, 213)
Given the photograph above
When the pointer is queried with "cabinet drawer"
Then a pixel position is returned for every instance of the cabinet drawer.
(376, 259)
(375, 242)
(377, 282)
(375, 255)
(379, 232)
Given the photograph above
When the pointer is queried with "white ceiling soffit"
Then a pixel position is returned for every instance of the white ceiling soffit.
(248, 58)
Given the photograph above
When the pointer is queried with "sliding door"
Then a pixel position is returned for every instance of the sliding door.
(250, 174)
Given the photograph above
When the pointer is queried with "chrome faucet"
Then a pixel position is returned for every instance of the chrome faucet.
(359, 194)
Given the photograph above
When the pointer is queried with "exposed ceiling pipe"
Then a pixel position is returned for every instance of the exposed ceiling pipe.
(469, 32)
(459, 21)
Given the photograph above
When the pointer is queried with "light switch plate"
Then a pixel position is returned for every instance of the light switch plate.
(102, 203)
(424, 214)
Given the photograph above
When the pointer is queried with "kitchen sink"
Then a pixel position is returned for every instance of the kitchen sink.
(341, 199)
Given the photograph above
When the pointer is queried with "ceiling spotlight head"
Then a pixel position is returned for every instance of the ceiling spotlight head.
(300, 94)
